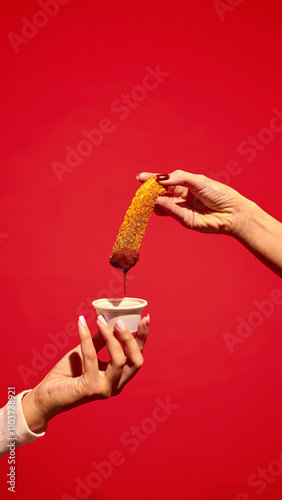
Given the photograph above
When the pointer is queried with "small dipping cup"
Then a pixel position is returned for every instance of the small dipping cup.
(129, 309)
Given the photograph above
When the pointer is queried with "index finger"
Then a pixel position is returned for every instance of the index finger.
(88, 350)
(189, 180)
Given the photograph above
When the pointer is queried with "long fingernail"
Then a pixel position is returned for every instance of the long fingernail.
(137, 177)
(121, 324)
(148, 319)
(162, 177)
(102, 320)
(82, 321)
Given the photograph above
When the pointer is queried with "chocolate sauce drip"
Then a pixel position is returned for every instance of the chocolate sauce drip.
(124, 260)
(124, 282)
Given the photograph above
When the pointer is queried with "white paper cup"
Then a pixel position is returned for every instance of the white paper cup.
(129, 309)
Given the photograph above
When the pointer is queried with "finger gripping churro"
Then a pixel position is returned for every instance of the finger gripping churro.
(125, 253)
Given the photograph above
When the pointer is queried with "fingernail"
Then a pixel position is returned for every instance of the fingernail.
(162, 177)
(82, 321)
(102, 320)
(121, 324)
(148, 319)
(137, 177)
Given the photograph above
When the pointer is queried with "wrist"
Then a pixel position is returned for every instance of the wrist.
(242, 218)
(33, 412)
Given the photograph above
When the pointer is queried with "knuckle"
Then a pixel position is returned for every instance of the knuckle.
(202, 178)
(138, 363)
(128, 338)
(92, 357)
(121, 360)
(107, 393)
(178, 172)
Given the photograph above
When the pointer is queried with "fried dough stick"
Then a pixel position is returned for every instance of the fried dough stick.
(125, 252)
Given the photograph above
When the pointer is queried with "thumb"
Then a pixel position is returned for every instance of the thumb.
(176, 212)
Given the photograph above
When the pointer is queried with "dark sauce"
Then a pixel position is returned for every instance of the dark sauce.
(124, 271)
(124, 260)
(124, 282)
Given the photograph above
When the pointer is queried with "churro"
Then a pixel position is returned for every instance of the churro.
(125, 252)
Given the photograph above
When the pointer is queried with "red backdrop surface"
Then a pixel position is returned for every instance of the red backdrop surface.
(203, 79)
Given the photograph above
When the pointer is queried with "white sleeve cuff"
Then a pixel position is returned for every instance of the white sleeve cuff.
(22, 433)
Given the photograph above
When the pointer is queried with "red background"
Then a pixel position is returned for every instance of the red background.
(224, 81)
